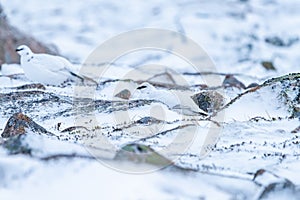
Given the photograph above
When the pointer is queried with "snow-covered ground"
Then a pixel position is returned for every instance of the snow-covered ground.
(256, 129)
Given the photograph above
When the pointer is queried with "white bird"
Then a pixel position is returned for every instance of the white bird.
(46, 69)
(177, 100)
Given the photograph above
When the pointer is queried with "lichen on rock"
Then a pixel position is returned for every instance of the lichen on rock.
(209, 101)
(20, 124)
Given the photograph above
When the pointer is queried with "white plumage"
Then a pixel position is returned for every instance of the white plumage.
(45, 68)
(177, 100)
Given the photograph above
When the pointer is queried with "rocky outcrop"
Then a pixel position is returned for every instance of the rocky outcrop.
(20, 124)
(16, 131)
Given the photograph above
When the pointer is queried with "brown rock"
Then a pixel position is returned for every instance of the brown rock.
(231, 81)
(11, 38)
(124, 94)
(209, 101)
(268, 65)
(31, 86)
(19, 124)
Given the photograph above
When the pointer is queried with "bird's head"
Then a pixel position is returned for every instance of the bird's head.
(23, 50)
(143, 89)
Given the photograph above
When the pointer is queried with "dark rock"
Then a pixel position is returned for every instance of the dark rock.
(11, 38)
(31, 86)
(16, 145)
(268, 65)
(277, 41)
(231, 81)
(252, 85)
(20, 124)
(208, 101)
(124, 94)
(148, 121)
(296, 130)
(296, 112)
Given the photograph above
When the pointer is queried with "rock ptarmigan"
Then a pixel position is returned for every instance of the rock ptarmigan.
(46, 69)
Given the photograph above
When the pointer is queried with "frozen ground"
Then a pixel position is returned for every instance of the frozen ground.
(256, 130)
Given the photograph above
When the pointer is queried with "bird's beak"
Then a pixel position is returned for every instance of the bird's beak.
(141, 87)
(19, 49)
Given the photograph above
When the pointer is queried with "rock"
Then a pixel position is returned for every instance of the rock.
(268, 65)
(296, 130)
(148, 121)
(209, 101)
(139, 153)
(279, 42)
(15, 133)
(231, 81)
(11, 38)
(20, 124)
(296, 111)
(252, 85)
(31, 86)
(15, 145)
(124, 94)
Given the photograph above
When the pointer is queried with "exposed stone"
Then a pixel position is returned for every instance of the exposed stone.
(252, 85)
(295, 112)
(16, 145)
(148, 121)
(268, 65)
(31, 86)
(209, 101)
(124, 94)
(19, 124)
(296, 130)
(277, 41)
(231, 81)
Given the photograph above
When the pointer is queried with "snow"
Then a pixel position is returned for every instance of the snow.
(98, 181)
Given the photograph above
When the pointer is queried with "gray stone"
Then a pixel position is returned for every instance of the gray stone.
(209, 101)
